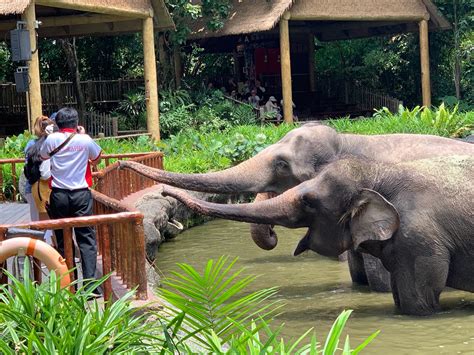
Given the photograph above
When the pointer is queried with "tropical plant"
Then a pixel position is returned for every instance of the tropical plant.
(210, 311)
(45, 319)
(131, 110)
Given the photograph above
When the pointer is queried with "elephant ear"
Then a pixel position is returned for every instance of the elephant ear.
(373, 220)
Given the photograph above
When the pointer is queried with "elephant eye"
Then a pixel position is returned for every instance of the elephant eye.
(307, 202)
(281, 164)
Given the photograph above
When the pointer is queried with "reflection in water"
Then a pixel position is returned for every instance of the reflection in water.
(316, 289)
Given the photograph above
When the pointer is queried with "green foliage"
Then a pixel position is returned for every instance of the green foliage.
(132, 111)
(6, 66)
(45, 319)
(441, 121)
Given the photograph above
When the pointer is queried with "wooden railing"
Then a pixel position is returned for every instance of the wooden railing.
(119, 183)
(10, 170)
(58, 94)
(120, 241)
(369, 100)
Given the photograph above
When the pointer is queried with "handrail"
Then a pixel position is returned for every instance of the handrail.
(16, 164)
(114, 234)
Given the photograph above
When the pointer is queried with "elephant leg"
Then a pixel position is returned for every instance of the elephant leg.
(419, 283)
(356, 267)
(378, 276)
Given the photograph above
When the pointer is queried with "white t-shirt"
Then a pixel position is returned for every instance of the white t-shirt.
(70, 168)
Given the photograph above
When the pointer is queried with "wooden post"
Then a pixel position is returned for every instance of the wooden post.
(425, 63)
(151, 79)
(236, 66)
(34, 97)
(177, 66)
(311, 66)
(286, 69)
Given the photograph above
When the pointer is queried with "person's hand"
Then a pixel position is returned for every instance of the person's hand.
(81, 130)
(49, 129)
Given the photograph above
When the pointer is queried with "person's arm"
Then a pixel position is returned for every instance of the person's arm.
(95, 152)
(45, 149)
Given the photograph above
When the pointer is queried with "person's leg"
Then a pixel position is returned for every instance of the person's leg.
(82, 204)
(59, 208)
(33, 211)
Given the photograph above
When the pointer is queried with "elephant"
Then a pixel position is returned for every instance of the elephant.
(416, 217)
(299, 156)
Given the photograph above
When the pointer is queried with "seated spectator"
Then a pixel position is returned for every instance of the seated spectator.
(260, 89)
(272, 109)
(231, 86)
(253, 99)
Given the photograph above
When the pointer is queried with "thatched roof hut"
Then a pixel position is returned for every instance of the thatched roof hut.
(253, 23)
(349, 17)
(68, 18)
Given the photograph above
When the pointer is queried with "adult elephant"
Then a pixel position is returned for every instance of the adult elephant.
(300, 156)
(417, 221)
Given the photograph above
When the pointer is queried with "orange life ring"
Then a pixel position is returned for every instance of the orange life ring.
(38, 249)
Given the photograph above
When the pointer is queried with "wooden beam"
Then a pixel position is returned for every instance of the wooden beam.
(285, 62)
(34, 93)
(177, 66)
(100, 9)
(311, 64)
(59, 21)
(151, 79)
(373, 17)
(425, 63)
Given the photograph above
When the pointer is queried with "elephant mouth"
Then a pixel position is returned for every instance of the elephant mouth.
(320, 245)
(174, 226)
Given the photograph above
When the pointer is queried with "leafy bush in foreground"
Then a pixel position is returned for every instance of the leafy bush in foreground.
(209, 314)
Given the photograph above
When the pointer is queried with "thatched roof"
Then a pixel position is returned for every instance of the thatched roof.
(10, 7)
(63, 18)
(250, 16)
(246, 16)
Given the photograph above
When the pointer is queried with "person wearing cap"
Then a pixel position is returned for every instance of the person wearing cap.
(272, 108)
(71, 182)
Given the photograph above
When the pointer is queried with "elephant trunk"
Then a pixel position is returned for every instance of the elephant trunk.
(245, 177)
(278, 210)
(264, 235)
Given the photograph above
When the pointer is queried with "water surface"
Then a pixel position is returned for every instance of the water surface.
(316, 289)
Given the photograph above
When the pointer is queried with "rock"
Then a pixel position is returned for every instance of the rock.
(468, 139)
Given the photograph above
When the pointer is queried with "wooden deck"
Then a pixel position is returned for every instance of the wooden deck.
(12, 213)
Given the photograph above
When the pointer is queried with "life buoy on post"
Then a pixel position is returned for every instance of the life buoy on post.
(38, 249)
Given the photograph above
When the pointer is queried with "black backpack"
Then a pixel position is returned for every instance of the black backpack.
(33, 162)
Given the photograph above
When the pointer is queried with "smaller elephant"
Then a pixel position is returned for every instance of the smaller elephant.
(418, 222)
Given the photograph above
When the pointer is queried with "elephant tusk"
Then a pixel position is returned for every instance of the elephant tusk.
(174, 224)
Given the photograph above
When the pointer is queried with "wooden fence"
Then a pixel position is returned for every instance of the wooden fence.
(59, 94)
(120, 241)
(119, 228)
(11, 169)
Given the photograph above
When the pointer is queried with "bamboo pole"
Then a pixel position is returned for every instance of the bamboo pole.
(312, 74)
(34, 93)
(286, 69)
(151, 79)
(425, 63)
(177, 66)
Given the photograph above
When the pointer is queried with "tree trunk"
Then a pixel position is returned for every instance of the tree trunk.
(457, 57)
(70, 52)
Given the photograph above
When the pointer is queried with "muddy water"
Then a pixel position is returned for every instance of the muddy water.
(316, 289)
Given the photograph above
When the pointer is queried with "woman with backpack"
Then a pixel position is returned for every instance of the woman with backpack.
(38, 171)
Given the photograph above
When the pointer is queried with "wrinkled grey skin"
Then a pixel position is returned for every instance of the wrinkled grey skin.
(300, 156)
(417, 218)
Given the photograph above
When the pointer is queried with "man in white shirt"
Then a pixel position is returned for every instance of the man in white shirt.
(71, 181)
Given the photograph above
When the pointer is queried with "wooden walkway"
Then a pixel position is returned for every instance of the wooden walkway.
(12, 213)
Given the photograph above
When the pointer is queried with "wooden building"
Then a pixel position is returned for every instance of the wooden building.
(67, 18)
(280, 35)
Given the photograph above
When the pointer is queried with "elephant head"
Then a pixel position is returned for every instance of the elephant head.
(338, 210)
(297, 157)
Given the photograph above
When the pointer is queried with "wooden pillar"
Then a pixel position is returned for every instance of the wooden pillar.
(311, 66)
(151, 79)
(178, 71)
(286, 69)
(425, 63)
(34, 94)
